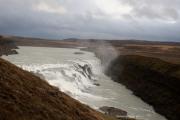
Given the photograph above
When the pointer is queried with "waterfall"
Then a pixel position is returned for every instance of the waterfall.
(72, 77)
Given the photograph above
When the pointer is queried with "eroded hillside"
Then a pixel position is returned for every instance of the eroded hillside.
(24, 96)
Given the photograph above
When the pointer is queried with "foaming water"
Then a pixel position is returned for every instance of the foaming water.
(81, 76)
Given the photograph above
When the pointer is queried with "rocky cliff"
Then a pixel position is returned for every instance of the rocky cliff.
(155, 81)
(7, 46)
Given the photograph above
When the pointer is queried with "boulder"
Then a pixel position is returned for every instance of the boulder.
(112, 111)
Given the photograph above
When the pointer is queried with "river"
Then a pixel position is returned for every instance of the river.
(80, 75)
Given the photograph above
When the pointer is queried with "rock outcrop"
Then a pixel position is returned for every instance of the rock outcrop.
(112, 111)
(7, 47)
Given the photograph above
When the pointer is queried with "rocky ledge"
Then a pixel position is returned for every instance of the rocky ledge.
(112, 111)
(116, 113)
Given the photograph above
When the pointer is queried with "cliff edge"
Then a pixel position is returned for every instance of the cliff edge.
(153, 80)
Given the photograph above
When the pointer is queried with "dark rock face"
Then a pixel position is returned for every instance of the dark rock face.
(97, 84)
(113, 111)
(78, 53)
(85, 70)
(155, 81)
(7, 47)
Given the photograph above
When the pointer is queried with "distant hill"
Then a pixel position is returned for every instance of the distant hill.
(24, 96)
(155, 81)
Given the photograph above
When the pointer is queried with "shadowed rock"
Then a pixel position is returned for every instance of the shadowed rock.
(78, 53)
(153, 80)
(113, 111)
(7, 47)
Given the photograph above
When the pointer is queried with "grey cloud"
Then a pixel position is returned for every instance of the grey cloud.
(155, 9)
(84, 19)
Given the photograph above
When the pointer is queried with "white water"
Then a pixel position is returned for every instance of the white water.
(71, 73)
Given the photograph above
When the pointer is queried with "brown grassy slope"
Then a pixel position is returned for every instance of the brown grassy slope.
(24, 96)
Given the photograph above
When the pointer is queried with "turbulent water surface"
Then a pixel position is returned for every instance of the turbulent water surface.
(79, 74)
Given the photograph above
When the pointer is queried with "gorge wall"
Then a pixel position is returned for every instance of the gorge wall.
(153, 80)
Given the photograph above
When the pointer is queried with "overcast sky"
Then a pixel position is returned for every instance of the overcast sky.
(102, 19)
